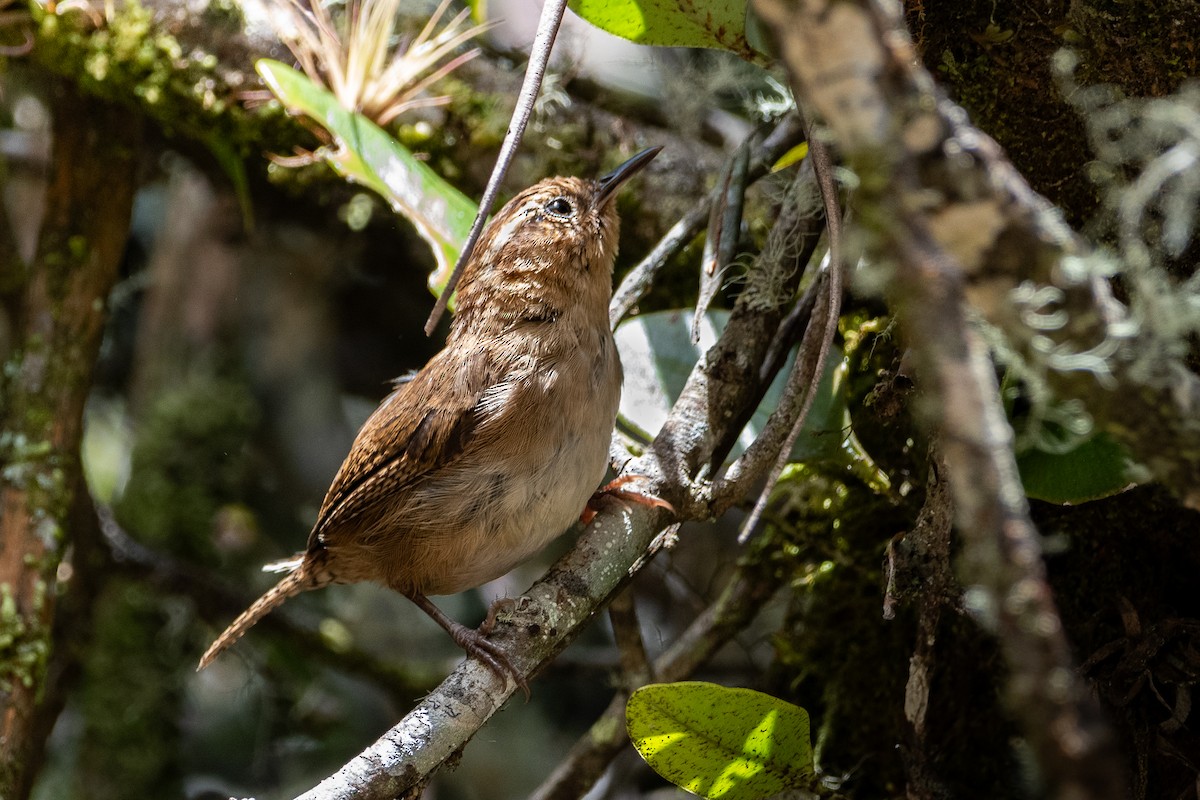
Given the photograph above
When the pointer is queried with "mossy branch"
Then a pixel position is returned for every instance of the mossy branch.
(60, 315)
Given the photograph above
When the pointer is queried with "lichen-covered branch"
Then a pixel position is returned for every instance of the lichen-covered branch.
(949, 225)
(1022, 267)
(47, 376)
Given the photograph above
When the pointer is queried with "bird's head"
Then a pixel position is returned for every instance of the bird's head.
(550, 247)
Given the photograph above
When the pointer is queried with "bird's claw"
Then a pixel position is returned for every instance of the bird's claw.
(613, 489)
(491, 655)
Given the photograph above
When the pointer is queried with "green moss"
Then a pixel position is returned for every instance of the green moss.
(130, 696)
(189, 461)
(24, 639)
(832, 652)
(1148, 49)
(224, 15)
(489, 115)
(128, 61)
(995, 61)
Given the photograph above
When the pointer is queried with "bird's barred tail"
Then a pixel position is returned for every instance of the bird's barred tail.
(298, 581)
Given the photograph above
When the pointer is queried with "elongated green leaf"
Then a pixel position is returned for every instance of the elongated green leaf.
(367, 155)
(1096, 469)
(719, 24)
(658, 355)
(717, 742)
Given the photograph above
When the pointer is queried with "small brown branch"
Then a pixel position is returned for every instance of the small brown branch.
(919, 573)
(724, 230)
(627, 634)
(772, 449)
(747, 590)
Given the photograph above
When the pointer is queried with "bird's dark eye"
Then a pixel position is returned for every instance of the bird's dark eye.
(559, 207)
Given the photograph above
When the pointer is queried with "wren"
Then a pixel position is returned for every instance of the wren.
(494, 448)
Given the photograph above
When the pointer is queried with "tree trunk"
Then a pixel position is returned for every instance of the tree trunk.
(56, 309)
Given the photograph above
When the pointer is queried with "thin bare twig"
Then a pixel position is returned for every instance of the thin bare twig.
(627, 633)
(774, 445)
(919, 572)
(539, 57)
(724, 229)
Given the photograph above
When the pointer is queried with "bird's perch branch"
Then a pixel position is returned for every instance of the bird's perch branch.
(610, 551)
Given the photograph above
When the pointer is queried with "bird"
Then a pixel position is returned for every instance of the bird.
(496, 446)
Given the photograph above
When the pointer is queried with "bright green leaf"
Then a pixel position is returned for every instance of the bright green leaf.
(367, 155)
(658, 355)
(719, 24)
(1095, 469)
(721, 743)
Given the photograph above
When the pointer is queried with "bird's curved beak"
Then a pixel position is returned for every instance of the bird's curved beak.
(607, 186)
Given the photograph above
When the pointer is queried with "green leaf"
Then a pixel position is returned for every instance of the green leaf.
(658, 355)
(367, 155)
(719, 24)
(717, 742)
(1096, 469)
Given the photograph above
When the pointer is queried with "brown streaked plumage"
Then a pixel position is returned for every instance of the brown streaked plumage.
(495, 446)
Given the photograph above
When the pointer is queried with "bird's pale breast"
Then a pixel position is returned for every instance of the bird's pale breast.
(530, 470)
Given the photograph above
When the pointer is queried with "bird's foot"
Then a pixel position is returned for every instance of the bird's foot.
(613, 489)
(477, 644)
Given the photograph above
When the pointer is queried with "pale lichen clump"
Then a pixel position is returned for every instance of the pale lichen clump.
(768, 278)
(355, 57)
(1147, 167)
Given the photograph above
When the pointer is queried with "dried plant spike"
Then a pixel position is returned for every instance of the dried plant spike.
(355, 58)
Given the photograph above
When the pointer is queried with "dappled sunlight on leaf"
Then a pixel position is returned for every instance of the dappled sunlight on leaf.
(717, 742)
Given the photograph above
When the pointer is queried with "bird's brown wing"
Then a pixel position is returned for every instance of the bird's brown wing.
(421, 425)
